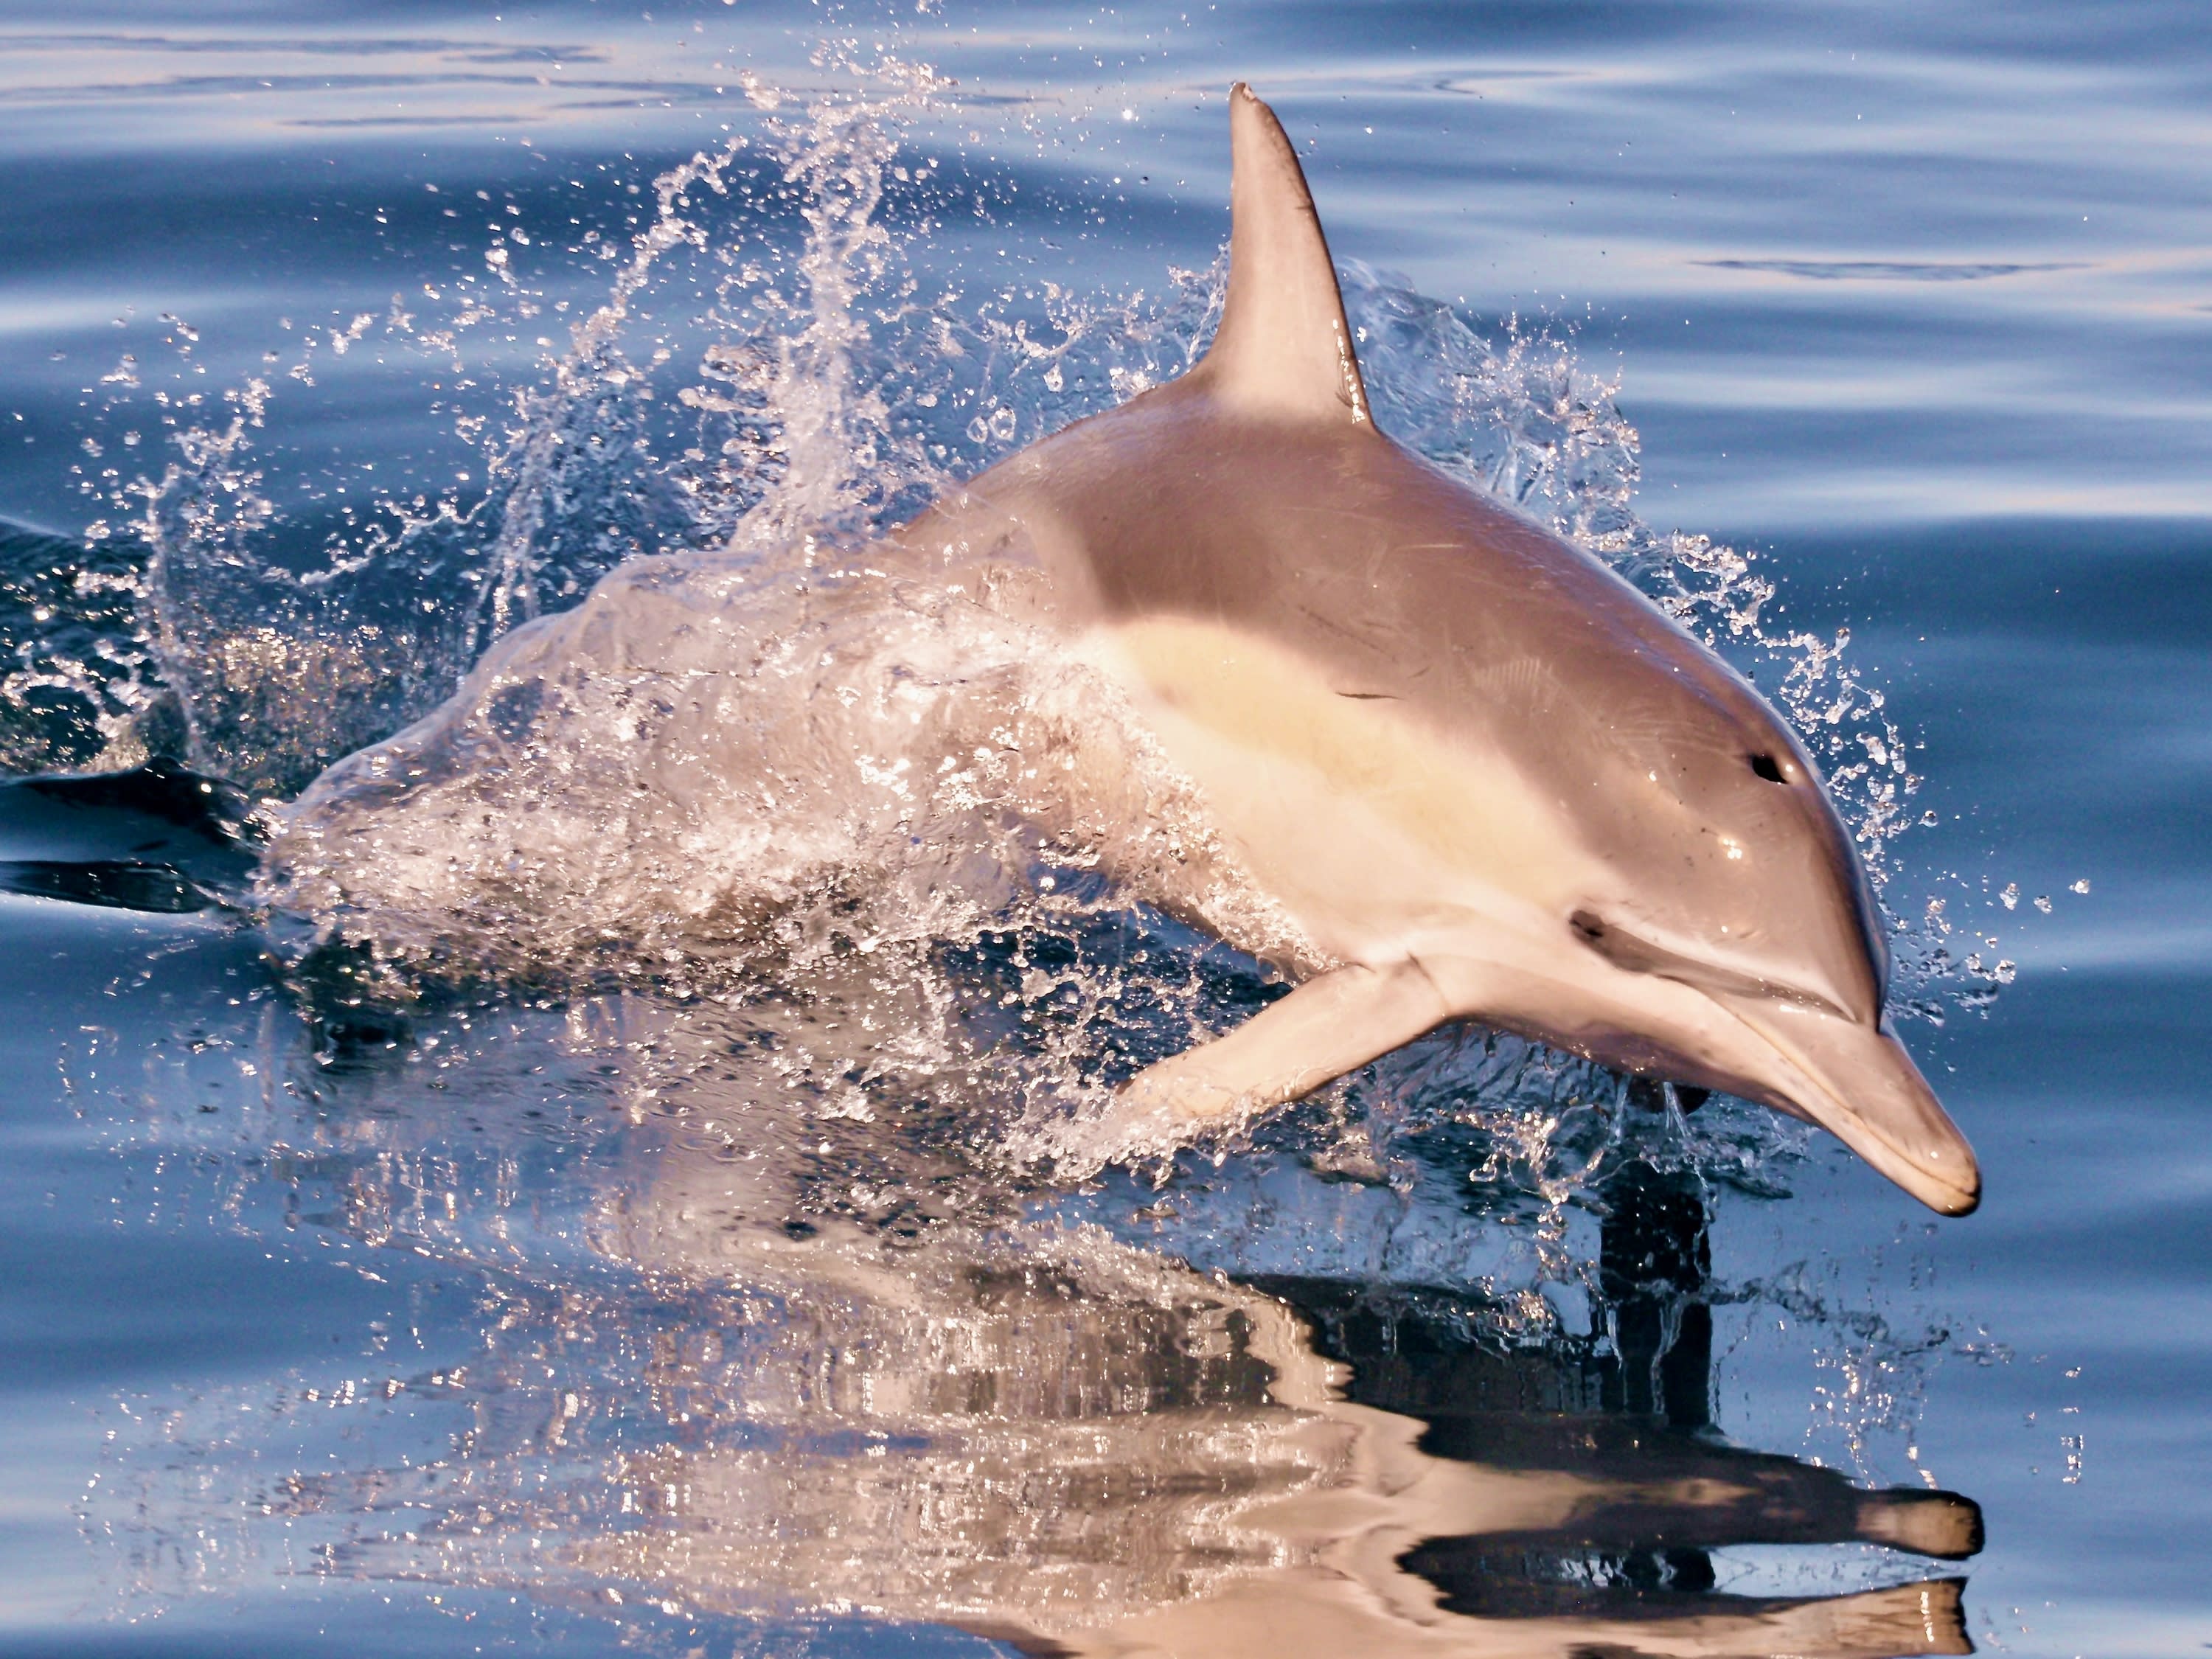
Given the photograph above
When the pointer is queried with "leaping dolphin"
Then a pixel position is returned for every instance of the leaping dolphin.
(1485, 777)
(1476, 775)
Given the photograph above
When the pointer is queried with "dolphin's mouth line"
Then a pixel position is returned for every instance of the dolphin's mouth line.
(1808, 1089)
(1839, 1111)
(1635, 954)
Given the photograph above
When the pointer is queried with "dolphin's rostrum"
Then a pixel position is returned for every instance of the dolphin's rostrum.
(1485, 778)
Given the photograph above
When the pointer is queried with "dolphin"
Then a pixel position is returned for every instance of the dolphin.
(1453, 768)
(1483, 777)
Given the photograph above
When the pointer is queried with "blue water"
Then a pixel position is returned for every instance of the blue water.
(333, 1331)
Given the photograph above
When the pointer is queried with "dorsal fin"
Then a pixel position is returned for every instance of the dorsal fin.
(1284, 346)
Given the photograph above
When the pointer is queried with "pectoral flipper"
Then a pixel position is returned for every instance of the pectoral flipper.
(1329, 1025)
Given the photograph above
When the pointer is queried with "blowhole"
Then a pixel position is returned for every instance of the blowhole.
(1768, 768)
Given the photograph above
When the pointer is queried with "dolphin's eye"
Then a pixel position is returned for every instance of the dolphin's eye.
(1767, 768)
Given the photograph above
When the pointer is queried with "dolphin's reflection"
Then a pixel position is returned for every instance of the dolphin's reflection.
(1076, 1447)
(755, 1359)
(1631, 1416)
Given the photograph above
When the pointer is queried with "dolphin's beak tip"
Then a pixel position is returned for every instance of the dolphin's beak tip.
(1958, 1206)
(1964, 1200)
(1963, 1177)
(1955, 1191)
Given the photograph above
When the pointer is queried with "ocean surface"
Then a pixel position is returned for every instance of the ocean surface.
(607, 1277)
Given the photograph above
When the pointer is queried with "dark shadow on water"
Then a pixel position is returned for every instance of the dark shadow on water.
(112, 883)
(158, 838)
